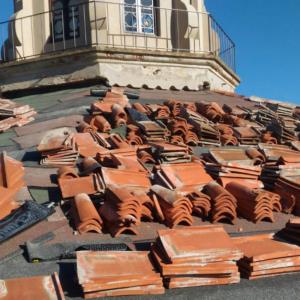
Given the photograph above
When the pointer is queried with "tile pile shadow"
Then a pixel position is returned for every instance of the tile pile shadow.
(291, 232)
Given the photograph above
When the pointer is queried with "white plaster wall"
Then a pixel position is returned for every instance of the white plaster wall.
(118, 68)
(31, 32)
(165, 76)
(104, 26)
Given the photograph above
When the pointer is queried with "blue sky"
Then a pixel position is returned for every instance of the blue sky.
(267, 37)
(6, 9)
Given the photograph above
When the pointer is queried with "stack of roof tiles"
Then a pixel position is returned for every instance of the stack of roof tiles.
(253, 205)
(170, 153)
(57, 149)
(296, 112)
(176, 208)
(183, 131)
(212, 111)
(201, 204)
(158, 111)
(279, 120)
(227, 138)
(282, 133)
(13, 114)
(247, 135)
(148, 130)
(128, 273)
(207, 132)
(263, 114)
(182, 176)
(133, 136)
(264, 256)
(123, 210)
(223, 203)
(197, 256)
(57, 158)
(281, 174)
(277, 158)
(226, 165)
(153, 131)
(11, 181)
(288, 187)
(106, 106)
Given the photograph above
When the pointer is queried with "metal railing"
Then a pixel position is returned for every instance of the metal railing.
(115, 25)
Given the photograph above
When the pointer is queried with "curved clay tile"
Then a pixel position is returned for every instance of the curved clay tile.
(84, 127)
(123, 209)
(224, 204)
(191, 106)
(67, 173)
(224, 216)
(163, 112)
(175, 107)
(191, 138)
(181, 220)
(119, 115)
(100, 123)
(174, 206)
(85, 215)
(145, 157)
(146, 214)
(201, 204)
(254, 205)
(134, 139)
(111, 214)
(177, 139)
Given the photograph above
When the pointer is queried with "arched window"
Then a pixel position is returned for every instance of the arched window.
(65, 19)
(139, 16)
